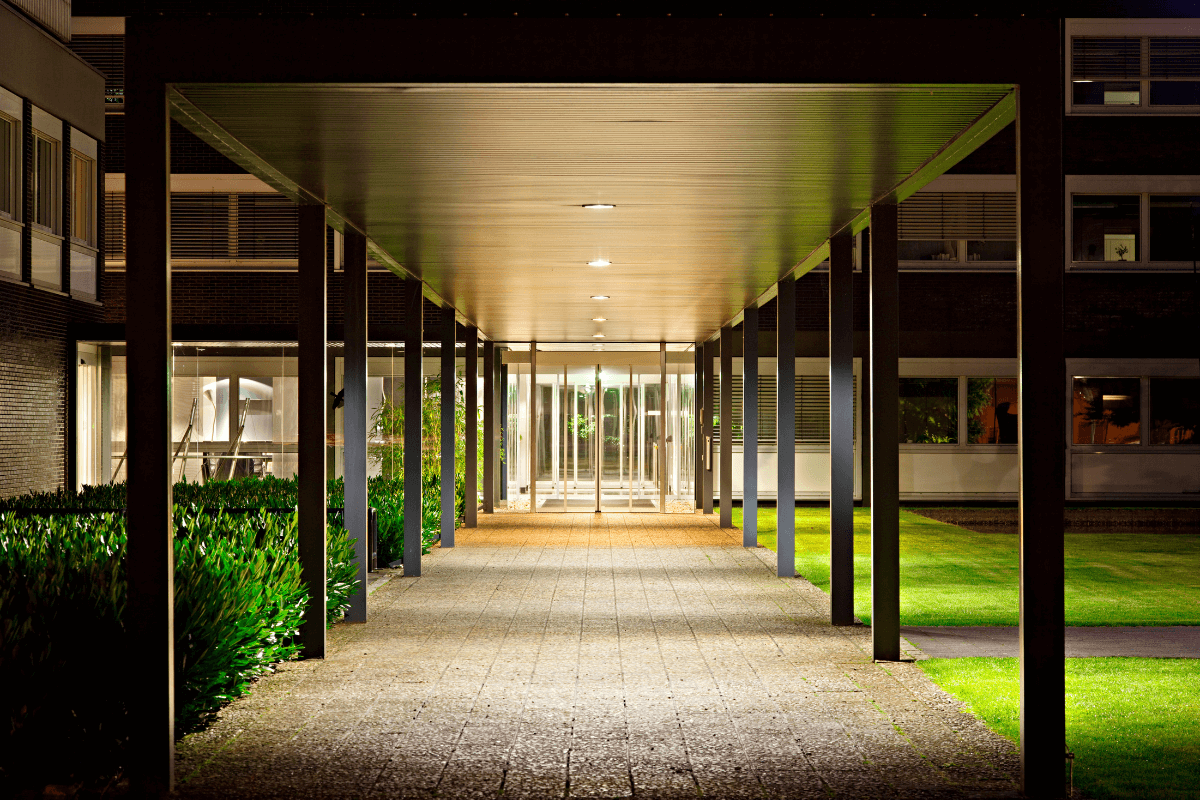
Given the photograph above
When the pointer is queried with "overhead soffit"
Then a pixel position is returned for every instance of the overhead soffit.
(719, 190)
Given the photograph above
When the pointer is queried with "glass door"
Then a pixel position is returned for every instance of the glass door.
(631, 436)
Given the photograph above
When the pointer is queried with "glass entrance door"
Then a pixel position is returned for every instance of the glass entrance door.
(631, 439)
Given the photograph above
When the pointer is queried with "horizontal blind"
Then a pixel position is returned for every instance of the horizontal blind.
(1174, 57)
(959, 215)
(1106, 57)
(214, 225)
(107, 54)
(812, 409)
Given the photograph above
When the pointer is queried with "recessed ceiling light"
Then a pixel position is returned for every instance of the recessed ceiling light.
(600, 262)
(597, 335)
(599, 319)
(599, 297)
(595, 206)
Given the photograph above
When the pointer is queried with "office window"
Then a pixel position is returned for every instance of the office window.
(929, 410)
(1173, 222)
(1174, 410)
(1176, 62)
(992, 410)
(1106, 411)
(1105, 227)
(9, 166)
(1105, 70)
(928, 250)
(992, 251)
(83, 199)
(945, 229)
(46, 183)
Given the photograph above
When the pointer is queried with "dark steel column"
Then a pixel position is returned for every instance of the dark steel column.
(489, 426)
(413, 311)
(706, 424)
(354, 415)
(726, 437)
(312, 402)
(885, 436)
(750, 427)
(785, 427)
(841, 428)
(698, 433)
(448, 392)
(1042, 438)
(151, 557)
(471, 512)
(502, 432)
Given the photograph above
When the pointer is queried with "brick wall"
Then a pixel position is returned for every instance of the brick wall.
(34, 359)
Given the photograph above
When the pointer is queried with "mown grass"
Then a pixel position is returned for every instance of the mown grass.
(953, 576)
(1125, 745)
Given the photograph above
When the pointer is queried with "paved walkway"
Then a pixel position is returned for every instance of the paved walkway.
(597, 656)
(961, 642)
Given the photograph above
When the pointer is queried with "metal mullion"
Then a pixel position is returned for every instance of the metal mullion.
(564, 437)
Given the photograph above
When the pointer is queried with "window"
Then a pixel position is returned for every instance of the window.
(992, 410)
(1102, 68)
(9, 160)
(954, 228)
(1117, 73)
(1176, 62)
(45, 183)
(83, 199)
(1174, 410)
(1106, 411)
(929, 410)
(1173, 220)
(1105, 227)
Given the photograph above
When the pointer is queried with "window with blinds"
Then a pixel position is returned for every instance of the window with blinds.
(215, 227)
(812, 409)
(107, 54)
(1123, 70)
(1097, 57)
(984, 216)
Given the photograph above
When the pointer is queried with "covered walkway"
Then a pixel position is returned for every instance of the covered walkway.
(597, 655)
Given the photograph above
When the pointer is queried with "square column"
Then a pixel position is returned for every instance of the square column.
(448, 391)
(354, 414)
(885, 435)
(150, 560)
(471, 371)
(841, 428)
(726, 437)
(706, 425)
(750, 427)
(700, 446)
(313, 401)
(413, 384)
(1042, 436)
(785, 427)
(489, 427)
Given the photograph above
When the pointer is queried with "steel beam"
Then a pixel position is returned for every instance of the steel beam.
(885, 436)
(149, 619)
(841, 429)
(1042, 436)
(785, 427)
(312, 400)
(413, 383)
(471, 373)
(354, 414)
(750, 427)
(706, 424)
(489, 426)
(726, 437)
(449, 389)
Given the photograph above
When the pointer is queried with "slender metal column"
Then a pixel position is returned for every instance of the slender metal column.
(449, 389)
(533, 429)
(885, 436)
(841, 428)
(355, 414)
(726, 437)
(785, 427)
(150, 545)
(471, 512)
(662, 427)
(706, 423)
(750, 427)
(489, 427)
(698, 433)
(502, 432)
(1042, 436)
(414, 380)
(312, 399)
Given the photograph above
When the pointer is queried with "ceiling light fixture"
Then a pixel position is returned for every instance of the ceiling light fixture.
(599, 319)
(599, 297)
(600, 262)
(597, 335)
(598, 206)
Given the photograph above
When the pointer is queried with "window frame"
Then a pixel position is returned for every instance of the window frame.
(54, 186)
(1140, 28)
(1144, 370)
(1141, 185)
(970, 184)
(962, 369)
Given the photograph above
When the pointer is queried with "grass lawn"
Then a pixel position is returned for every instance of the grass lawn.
(1124, 746)
(952, 576)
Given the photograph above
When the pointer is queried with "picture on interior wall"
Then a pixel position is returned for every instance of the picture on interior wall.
(1120, 247)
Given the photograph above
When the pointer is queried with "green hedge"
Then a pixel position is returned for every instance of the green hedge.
(238, 604)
